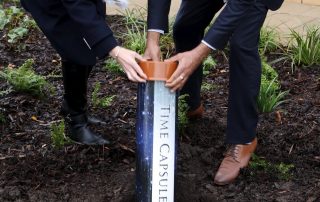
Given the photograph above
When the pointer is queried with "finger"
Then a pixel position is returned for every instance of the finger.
(129, 75)
(175, 82)
(178, 86)
(138, 70)
(175, 73)
(175, 86)
(133, 72)
(137, 78)
(138, 56)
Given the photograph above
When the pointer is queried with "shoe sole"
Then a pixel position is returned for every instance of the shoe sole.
(231, 181)
(223, 183)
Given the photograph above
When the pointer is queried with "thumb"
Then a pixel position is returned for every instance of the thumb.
(173, 58)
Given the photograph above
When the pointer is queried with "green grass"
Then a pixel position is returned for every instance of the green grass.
(166, 41)
(182, 112)
(270, 95)
(304, 51)
(24, 79)
(101, 102)
(135, 39)
(281, 171)
(268, 71)
(268, 40)
(136, 34)
(135, 18)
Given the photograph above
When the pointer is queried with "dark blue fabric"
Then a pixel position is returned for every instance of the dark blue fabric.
(245, 75)
(158, 11)
(239, 24)
(273, 4)
(220, 33)
(75, 28)
(188, 30)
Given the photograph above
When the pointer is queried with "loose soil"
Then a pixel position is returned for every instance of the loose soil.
(32, 170)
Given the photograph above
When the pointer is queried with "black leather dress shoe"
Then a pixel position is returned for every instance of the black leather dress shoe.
(79, 132)
(95, 121)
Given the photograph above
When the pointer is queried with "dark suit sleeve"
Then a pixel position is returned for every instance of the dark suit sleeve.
(220, 32)
(96, 34)
(273, 4)
(158, 11)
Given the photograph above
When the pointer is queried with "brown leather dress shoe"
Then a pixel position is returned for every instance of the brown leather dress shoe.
(236, 157)
(196, 113)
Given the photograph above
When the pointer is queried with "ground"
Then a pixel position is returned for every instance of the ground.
(32, 170)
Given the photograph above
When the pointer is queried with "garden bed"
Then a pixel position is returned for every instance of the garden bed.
(33, 170)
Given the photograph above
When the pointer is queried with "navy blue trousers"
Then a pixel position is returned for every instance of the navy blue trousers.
(244, 63)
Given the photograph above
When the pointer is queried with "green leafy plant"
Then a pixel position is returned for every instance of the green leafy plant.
(135, 39)
(4, 19)
(17, 34)
(11, 14)
(24, 79)
(182, 112)
(101, 102)
(135, 18)
(258, 163)
(270, 95)
(268, 71)
(58, 137)
(284, 170)
(16, 25)
(208, 64)
(268, 40)
(281, 171)
(135, 36)
(113, 66)
(305, 50)
(207, 87)
(5, 92)
(166, 41)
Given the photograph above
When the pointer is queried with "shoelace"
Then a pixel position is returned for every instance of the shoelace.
(233, 152)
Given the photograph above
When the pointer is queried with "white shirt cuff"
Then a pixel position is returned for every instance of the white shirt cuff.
(156, 30)
(205, 43)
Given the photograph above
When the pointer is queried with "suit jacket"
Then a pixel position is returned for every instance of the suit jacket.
(76, 28)
(219, 34)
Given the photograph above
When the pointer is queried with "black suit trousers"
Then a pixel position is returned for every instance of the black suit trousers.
(244, 62)
(65, 33)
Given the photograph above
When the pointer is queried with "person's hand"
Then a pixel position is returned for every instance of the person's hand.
(188, 62)
(152, 51)
(127, 59)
